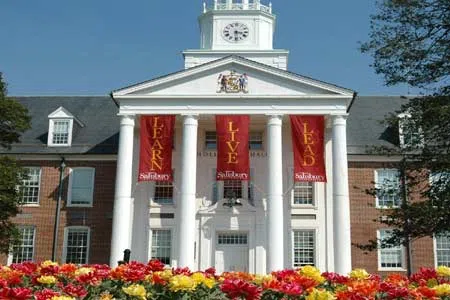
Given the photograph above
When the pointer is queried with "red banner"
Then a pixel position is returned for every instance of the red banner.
(155, 162)
(232, 148)
(308, 146)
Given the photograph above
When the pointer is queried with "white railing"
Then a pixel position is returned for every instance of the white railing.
(256, 5)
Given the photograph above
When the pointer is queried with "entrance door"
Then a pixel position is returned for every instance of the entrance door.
(231, 252)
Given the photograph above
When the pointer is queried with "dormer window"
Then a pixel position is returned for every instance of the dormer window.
(60, 134)
(61, 127)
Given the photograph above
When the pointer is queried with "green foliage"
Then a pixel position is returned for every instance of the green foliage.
(409, 41)
(14, 120)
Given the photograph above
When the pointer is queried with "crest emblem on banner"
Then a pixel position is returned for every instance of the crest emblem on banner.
(232, 83)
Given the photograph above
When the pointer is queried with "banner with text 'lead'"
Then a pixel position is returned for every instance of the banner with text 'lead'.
(232, 148)
(308, 147)
(156, 139)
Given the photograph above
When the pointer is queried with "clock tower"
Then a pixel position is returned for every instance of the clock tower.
(236, 27)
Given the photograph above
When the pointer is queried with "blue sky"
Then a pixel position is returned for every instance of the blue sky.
(91, 47)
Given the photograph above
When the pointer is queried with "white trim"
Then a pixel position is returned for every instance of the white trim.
(69, 157)
(403, 259)
(377, 186)
(282, 74)
(69, 192)
(39, 188)
(435, 251)
(172, 242)
(10, 253)
(51, 131)
(315, 231)
(66, 235)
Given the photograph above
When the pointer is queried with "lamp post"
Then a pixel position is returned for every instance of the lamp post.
(62, 166)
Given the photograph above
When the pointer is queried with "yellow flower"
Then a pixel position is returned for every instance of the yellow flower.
(83, 271)
(106, 296)
(259, 279)
(200, 278)
(62, 298)
(443, 271)
(47, 280)
(320, 295)
(136, 290)
(182, 283)
(358, 274)
(313, 273)
(166, 274)
(442, 289)
(48, 263)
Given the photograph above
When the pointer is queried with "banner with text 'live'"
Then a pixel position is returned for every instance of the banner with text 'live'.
(308, 147)
(232, 148)
(155, 161)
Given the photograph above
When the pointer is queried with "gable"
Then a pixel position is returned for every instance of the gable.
(205, 80)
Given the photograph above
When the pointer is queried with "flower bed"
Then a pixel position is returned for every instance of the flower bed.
(49, 280)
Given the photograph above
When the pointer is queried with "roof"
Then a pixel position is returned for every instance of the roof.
(364, 127)
(99, 135)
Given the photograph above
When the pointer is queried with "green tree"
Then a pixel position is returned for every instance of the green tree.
(14, 120)
(410, 44)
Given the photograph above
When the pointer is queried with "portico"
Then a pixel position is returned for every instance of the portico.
(201, 224)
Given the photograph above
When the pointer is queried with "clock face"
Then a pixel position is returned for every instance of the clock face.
(235, 32)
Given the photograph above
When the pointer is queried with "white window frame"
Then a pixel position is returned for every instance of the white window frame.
(52, 128)
(150, 248)
(379, 254)
(313, 192)
(28, 204)
(69, 196)
(252, 134)
(436, 252)
(163, 184)
(315, 249)
(11, 252)
(66, 237)
(206, 140)
(401, 121)
(378, 185)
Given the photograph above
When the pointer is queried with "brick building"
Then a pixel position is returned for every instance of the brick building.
(270, 223)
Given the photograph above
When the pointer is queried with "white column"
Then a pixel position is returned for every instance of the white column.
(121, 226)
(186, 212)
(245, 4)
(275, 241)
(341, 207)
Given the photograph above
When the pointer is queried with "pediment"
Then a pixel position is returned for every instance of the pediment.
(232, 76)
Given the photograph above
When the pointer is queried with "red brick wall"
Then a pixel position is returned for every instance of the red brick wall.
(363, 212)
(98, 218)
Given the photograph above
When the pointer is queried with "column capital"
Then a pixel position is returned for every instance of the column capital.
(340, 119)
(190, 119)
(274, 119)
(127, 119)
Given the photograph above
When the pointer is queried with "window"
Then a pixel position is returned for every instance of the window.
(215, 187)
(232, 189)
(389, 257)
(163, 192)
(76, 245)
(30, 185)
(410, 134)
(210, 140)
(60, 133)
(387, 184)
(232, 239)
(162, 245)
(255, 141)
(81, 187)
(23, 251)
(303, 248)
(303, 193)
(443, 250)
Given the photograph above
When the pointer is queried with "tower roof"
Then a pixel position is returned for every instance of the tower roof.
(237, 5)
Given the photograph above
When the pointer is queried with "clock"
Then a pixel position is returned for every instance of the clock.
(235, 32)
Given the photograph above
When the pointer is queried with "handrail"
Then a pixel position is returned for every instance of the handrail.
(256, 5)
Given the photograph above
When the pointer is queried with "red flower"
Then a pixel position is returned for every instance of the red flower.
(155, 265)
(335, 278)
(181, 271)
(239, 288)
(424, 275)
(50, 270)
(211, 272)
(45, 294)
(75, 290)
(26, 268)
(426, 292)
(398, 293)
(291, 289)
(20, 293)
